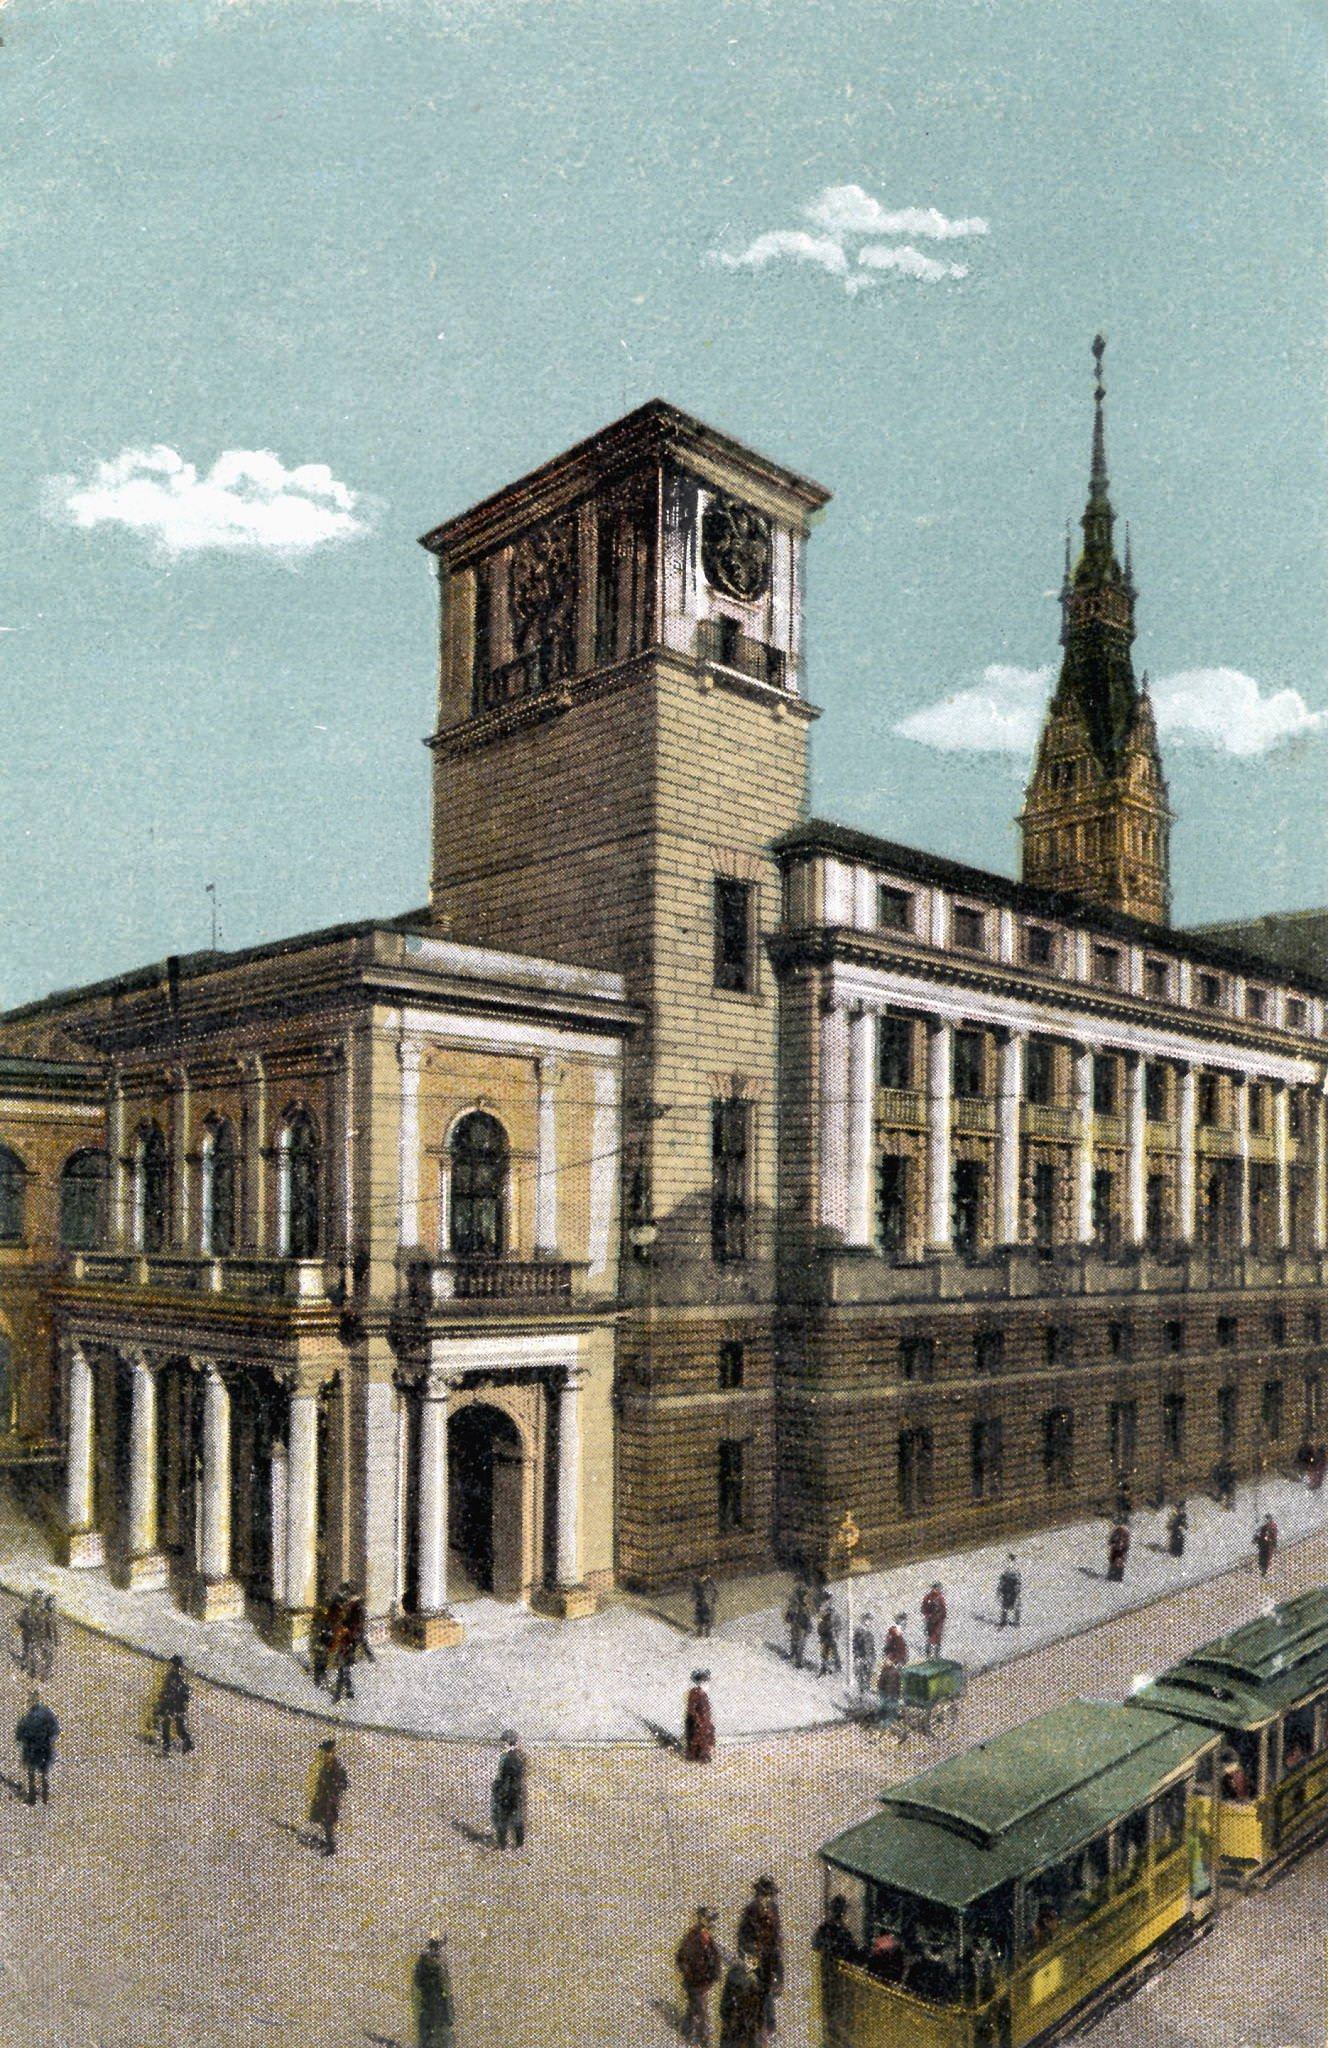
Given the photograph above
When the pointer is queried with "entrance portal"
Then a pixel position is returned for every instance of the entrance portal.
(486, 1484)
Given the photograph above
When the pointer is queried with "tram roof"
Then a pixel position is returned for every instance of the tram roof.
(1255, 1671)
(1013, 1804)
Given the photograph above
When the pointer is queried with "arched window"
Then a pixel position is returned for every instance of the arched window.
(83, 1201)
(301, 1173)
(152, 1189)
(219, 1190)
(13, 1181)
(479, 1187)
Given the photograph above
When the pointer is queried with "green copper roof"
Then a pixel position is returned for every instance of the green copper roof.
(1015, 1803)
(1256, 1671)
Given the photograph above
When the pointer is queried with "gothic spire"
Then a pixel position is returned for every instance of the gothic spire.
(1098, 518)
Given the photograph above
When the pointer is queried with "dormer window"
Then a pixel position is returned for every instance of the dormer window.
(1157, 980)
(1256, 1004)
(1038, 945)
(1295, 1014)
(1107, 966)
(894, 908)
(969, 929)
(1210, 991)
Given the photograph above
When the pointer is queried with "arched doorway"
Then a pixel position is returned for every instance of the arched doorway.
(486, 1500)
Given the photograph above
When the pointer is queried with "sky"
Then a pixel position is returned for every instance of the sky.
(291, 281)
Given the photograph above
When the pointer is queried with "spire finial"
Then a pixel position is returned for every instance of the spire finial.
(1099, 471)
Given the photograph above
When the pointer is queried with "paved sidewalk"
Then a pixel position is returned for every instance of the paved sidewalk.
(620, 1675)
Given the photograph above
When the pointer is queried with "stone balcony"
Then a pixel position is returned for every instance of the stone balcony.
(178, 1273)
(431, 1284)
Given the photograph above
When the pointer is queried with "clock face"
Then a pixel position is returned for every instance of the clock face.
(735, 548)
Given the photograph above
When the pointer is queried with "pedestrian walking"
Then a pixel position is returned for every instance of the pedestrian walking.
(507, 1797)
(834, 1937)
(760, 1934)
(705, 1603)
(827, 1638)
(170, 1711)
(889, 1686)
(29, 1636)
(1010, 1593)
(48, 1637)
(864, 1652)
(742, 2006)
(348, 1640)
(700, 1967)
(325, 1632)
(1265, 1544)
(798, 1622)
(1178, 1522)
(1118, 1549)
(934, 1612)
(330, 1782)
(698, 1722)
(896, 1643)
(35, 1735)
(1224, 1483)
(431, 1996)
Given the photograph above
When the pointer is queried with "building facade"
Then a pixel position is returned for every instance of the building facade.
(687, 1173)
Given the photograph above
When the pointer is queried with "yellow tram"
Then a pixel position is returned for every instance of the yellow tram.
(997, 1896)
(1264, 1690)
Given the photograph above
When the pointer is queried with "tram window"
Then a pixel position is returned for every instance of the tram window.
(1169, 1820)
(1297, 1739)
(1240, 1764)
(1129, 1844)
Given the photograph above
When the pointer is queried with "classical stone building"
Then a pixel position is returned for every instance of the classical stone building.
(687, 1173)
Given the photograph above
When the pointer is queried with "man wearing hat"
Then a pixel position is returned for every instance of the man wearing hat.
(700, 1968)
(330, 1782)
(761, 1935)
(507, 1798)
(432, 1989)
(698, 1723)
(742, 2005)
(896, 1644)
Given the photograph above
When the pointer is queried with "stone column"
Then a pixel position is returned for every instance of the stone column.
(1186, 1138)
(860, 1128)
(301, 1566)
(833, 1120)
(145, 1566)
(1009, 1102)
(82, 1542)
(1083, 1161)
(408, 1154)
(118, 1217)
(940, 1072)
(433, 1626)
(1135, 1108)
(605, 1169)
(1281, 1163)
(1241, 1097)
(179, 1239)
(278, 1504)
(567, 1564)
(254, 1233)
(217, 1597)
(548, 1074)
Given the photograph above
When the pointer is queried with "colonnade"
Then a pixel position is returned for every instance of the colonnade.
(848, 1142)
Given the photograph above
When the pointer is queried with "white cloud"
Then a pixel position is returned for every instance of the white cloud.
(847, 210)
(1218, 708)
(247, 500)
(847, 216)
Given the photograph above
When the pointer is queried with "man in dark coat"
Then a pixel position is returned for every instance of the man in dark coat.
(742, 2006)
(834, 1937)
(761, 1935)
(326, 1630)
(330, 1782)
(172, 1707)
(35, 1735)
(705, 1603)
(1265, 1544)
(431, 1986)
(698, 1722)
(700, 1968)
(896, 1644)
(933, 1612)
(827, 1637)
(1177, 1523)
(507, 1798)
(1118, 1549)
(864, 1653)
(1009, 1593)
(798, 1621)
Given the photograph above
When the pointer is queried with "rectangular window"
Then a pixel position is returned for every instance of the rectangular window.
(1058, 1344)
(917, 1357)
(1173, 1337)
(986, 1456)
(1104, 1207)
(1122, 1435)
(1313, 1326)
(1037, 945)
(1155, 1092)
(1173, 1425)
(1155, 1211)
(894, 909)
(1210, 1101)
(1256, 1003)
(1104, 1084)
(734, 953)
(1107, 966)
(732, 1362)
(966, 1204)
(891, 1202)
(1277, 1327)
(1295, 1014)
(968, 1064)
(1044, 1204)
(1157, 980)
(732, 1504)
(988, 1350)
(914, 1470)
(894, 1052)
(730, 1125)
(1270, 1410)
(1120, 1340)
(1226, 1417)
(1040, 1072)
(1258, 1102)
(968, 928)
(1210, 991)
(1058, 1447)
(1227, 1328)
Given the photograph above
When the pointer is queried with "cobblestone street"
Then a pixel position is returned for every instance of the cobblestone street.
(236, 1933)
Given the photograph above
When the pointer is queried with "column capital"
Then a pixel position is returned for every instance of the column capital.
(435, 1384)
(139, 1359)
(549, 1069)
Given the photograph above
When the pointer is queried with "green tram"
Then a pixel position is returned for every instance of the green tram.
(999, 1895)
(1264, 1690)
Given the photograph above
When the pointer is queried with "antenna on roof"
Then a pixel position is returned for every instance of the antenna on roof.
(211, 890)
